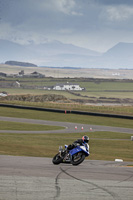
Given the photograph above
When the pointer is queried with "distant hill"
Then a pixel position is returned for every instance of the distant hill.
(57, 48)
(54, 54)
(120, 50)
(24, 64)
(121, 55)
(13, 51)
(57, 54)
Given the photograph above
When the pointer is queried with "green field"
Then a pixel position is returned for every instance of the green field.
(46, 145)
(103, 145)
(105, 90)
(93, 87)
(26, 127)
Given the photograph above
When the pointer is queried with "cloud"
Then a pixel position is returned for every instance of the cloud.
(67, 7)
(119, 13)
(113, 2)
(94, 24)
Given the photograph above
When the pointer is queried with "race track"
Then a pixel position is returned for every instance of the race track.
(30, 178)
(69, 127)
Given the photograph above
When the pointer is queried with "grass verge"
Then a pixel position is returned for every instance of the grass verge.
(19, 126)
(46, 145)
(110, 109)
(85, 119)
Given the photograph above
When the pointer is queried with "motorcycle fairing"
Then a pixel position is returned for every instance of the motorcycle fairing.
(78, 149)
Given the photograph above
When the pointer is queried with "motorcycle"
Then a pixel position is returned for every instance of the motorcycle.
(74, 156)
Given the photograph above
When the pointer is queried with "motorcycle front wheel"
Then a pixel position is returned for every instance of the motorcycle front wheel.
(57, 159)
(77, 158)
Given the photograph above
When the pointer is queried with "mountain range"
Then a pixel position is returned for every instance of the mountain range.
(57, 54)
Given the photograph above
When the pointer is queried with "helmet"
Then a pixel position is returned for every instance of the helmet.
(85, 138)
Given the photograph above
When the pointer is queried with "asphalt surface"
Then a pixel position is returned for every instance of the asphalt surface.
(69, 127)
(30, 178)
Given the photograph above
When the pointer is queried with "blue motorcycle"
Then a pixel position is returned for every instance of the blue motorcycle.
(74, 156)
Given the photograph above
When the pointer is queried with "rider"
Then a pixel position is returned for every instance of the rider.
(85, 139)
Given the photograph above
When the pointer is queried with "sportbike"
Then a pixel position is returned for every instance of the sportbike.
(74, 156)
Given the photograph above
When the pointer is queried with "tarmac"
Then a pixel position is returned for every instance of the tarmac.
(31, 178)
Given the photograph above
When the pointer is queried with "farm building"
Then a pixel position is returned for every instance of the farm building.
(2, 74)
(3, 94)
(67, 86)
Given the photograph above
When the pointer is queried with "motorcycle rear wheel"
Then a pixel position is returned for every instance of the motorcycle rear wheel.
(77, 158)
(57, 159)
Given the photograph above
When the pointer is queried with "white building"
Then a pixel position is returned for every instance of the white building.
(3, 94)
(67, 86)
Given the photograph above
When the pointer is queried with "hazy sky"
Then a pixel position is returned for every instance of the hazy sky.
(94, 24)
